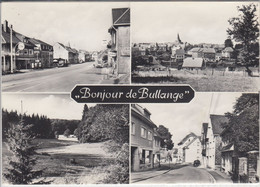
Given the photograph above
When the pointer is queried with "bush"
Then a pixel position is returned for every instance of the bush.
(66, 133)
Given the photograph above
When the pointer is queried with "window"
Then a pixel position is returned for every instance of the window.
(25, 52)
(133, 128)
(143, 132)
(150, 135)
(30, 52)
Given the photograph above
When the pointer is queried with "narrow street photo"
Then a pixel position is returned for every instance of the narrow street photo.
(212, 139)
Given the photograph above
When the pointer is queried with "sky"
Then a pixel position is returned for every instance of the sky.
(184, 118)
(196, 22)
(58, 106)
(82, 24)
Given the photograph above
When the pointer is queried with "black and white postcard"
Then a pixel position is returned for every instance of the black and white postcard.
(129, 93)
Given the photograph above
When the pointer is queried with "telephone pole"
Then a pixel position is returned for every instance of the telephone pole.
(11, 48)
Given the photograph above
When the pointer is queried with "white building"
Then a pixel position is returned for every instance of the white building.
(211, 141)
(192, 151)
(189, 145)
(60, 51)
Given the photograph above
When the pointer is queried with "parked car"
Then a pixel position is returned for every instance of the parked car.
(60, 62)
(196, 163)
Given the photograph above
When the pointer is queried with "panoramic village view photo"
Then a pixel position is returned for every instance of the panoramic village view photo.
(211, 46)
(219, 143)
(50, 139)
(54, 51)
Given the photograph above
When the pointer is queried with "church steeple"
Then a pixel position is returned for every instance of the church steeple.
(178, 39)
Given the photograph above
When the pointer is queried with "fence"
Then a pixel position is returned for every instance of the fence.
(194, 72)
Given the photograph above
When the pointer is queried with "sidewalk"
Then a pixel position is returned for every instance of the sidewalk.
(144, 175)
(219, 176)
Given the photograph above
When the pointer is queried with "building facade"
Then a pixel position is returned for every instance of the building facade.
(145, 141)
(120, 40)
(211, 141)
(189, 149)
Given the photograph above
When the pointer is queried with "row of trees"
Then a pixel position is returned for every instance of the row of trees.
(42, 126)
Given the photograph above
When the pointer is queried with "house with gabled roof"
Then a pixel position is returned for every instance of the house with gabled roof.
(189, 149)
(120, 41)
(61, 51)
(5, 50)
(211, 140)
(43, 52)
(227, 52)
(193, 63)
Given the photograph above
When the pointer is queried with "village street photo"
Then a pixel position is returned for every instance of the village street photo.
(212, 139)
(192, 43)
(50, 139)
(47, 49)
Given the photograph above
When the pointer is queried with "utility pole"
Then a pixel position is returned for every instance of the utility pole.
(11, 48)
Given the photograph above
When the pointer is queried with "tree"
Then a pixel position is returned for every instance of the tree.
(166, 137)
(242, 130)
(228, 43)
(66, 133)
(21, 164)
(244, 29)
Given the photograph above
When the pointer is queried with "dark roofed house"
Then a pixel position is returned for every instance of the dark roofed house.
(5, 51)
(120, 41)
(43, 52)
(209, 54)
(211, 140)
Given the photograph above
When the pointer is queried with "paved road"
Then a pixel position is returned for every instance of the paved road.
(186, 174)
(52, 80)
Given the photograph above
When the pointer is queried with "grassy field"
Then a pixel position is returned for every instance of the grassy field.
(202, 80)
(55, 158)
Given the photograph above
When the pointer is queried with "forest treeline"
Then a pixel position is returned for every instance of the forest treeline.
(42, 126)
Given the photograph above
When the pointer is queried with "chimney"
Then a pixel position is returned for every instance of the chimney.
(5, 26)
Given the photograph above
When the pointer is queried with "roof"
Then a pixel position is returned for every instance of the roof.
(121, 16)
(6, 37)
(195, 49)
(187, 137)
(139, 110)
(192, 62)
(36, 41)
(228, 49)
(217, 121)
(227, 148)
(195, 138)
(180, 52)
(69, 49)
(208, 50)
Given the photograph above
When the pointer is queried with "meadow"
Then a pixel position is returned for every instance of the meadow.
(67, 162)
